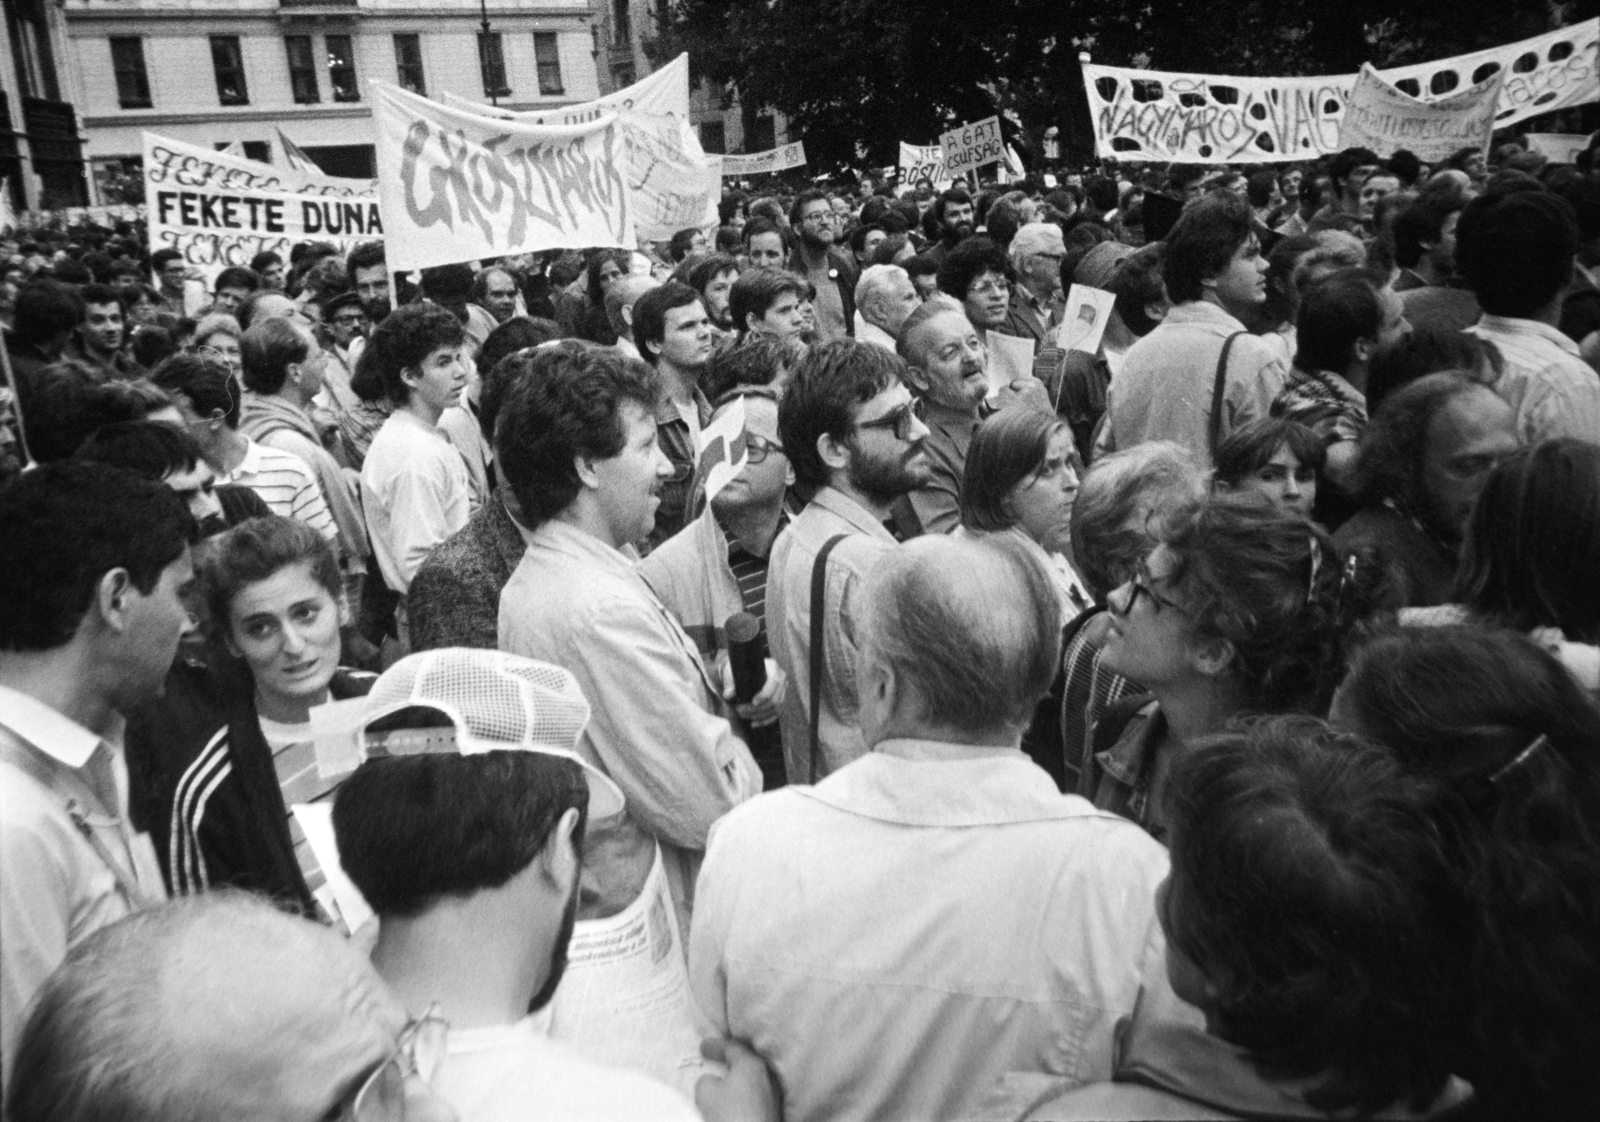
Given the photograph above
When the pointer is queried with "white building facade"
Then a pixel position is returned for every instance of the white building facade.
(216, 72)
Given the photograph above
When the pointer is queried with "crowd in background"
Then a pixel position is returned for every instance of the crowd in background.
(1178, 703)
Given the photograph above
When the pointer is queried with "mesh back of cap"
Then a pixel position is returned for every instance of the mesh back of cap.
(504, 699)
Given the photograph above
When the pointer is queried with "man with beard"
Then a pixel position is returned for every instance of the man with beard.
(369, 277)
(854, 434)
(953, 216)
(713, 279)
(673, 334)
(470, 772)
(830, 270)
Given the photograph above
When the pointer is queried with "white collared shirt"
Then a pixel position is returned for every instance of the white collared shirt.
(1554, 392)
(55, 888)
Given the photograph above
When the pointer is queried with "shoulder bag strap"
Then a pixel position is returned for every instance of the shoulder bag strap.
(1218, 391)
(819, 586)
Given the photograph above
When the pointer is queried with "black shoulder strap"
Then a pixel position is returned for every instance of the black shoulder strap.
(819, 587)
(1218, 392)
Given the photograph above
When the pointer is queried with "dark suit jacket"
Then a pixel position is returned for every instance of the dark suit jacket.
(454, 600)
(1025, 323)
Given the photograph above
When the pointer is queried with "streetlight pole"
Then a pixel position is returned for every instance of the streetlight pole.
(494, 88)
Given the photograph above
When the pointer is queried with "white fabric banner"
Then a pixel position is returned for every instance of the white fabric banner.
(922, 162)
(1386, 119)
(1208, 118)
(664, 93)
(222, 210)
(760, 163)
(456, 186)
(1558, 147)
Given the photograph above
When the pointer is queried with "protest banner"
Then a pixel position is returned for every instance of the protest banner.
(722, 450)
(1088, 310)
(1558, 147)
(971, 146)
(222, 210)
(664, 93)
(1208, 118)
(672, 184)
(1385, 119)
(763, 163)
(456, 186)
(919, 162)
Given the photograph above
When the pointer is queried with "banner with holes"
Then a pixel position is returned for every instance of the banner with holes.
(1206, 118)
(1385, 120)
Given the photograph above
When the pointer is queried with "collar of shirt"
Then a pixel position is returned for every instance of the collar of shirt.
(52, 733)
(836, 502)
(1530, 329)
(957, 425)
(563, 537)
(667, 411)
(929, 783)
(1203, 313)
(1127, 761)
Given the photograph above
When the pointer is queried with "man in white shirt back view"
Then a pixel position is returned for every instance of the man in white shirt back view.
(934, 931)
(1515, 248)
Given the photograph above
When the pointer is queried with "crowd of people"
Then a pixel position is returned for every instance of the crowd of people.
(1195, 716)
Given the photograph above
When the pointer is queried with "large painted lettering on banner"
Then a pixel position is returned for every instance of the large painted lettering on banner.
(456, 186)
(1165, 116)
(221, 210)
(1385, 119)
(919, 162)
(972, 146)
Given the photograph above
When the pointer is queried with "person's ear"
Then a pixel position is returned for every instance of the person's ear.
(834, 451)
(559, 859)
(918, 378)
(587, 473)
(113, 599)
(789, 476)
(411, 376)
(752, 322)
(1364, 349)
(1211, 657)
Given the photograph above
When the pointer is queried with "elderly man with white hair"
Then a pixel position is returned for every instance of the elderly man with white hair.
(885, 296)
(1036, 254)
(934, 930)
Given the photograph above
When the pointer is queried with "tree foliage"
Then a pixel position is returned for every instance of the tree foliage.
(857, 76)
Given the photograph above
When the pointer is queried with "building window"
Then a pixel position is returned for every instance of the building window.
(492, 65)
(228, 62)
(621, 23)
(547, 53)
(127, 61)
(258, 150)
(713, 137)
(302, 69)
(342, 69)
(408, 63)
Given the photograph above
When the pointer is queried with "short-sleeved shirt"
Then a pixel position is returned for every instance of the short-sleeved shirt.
(287, 484)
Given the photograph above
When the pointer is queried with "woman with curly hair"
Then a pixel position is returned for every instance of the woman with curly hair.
(1238, 609)
(1516, 744)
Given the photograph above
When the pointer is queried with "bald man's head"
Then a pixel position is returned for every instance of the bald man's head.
(970, 629)
(623, 294)
(209, 1008)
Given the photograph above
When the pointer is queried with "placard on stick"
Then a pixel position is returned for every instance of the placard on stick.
(970, 147)
(1084, 321)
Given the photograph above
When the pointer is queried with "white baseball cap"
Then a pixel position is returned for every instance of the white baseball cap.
(494, 702)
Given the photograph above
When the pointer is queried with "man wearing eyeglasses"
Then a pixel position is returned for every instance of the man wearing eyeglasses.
(830, 270)
(232, 1008)
(1036, 251)
(853, 431)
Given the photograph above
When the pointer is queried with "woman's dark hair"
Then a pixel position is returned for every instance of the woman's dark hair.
(1427, 350)
(565, 401)
(207, 382)
(1336, 312)
(596, 262)
(1310, 887)
(1006, 449)
(149, 449)
(405, 338)
(1513, 737)
(1277, 590)
(465, 823)
(253, 551)
(1137, 284)
(1249, 448)
(969, 260)
(1532, 552)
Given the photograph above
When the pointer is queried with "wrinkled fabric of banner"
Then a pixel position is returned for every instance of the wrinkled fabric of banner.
(1207, 118)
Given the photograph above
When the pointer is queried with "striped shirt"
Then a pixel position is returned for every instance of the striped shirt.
(287, 484)
(294, 760)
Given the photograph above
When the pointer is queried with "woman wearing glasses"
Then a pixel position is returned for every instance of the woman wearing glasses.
(1237, 610)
